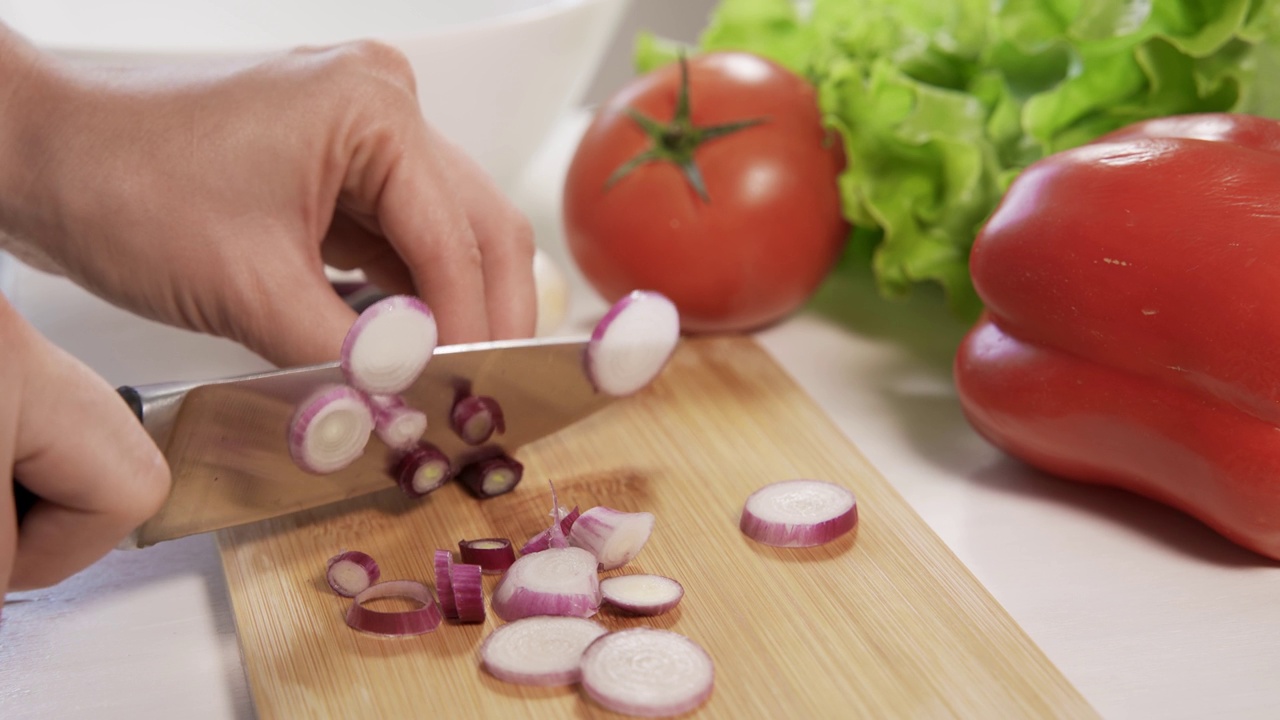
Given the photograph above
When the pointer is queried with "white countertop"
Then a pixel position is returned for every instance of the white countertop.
(1147, 612)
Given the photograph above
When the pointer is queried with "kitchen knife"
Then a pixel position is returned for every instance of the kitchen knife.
(225, 440)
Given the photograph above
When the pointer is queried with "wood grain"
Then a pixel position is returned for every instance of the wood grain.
(884, 623)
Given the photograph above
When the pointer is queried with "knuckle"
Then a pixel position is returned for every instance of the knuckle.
(382, 59)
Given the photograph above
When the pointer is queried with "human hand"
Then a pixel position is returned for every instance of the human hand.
(211, 199)
(97, 479)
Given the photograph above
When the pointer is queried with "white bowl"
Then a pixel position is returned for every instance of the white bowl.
(493, 75)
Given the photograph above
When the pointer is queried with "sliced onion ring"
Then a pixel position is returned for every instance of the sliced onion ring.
(798, 513)
(443, 566)
(348, 573)
(423, 469)
(556, 581)
(632, 343)
(539, 650)
(468, 592)
(493, 555)
(641, 593)
(420, 620)
(330, 429)
(388, 345)
(647, 672)
(475, 418)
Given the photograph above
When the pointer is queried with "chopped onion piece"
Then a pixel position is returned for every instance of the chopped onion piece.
(350, 572)
(493, 555)
(632, 343)
(330, 429)
(492, 476)
(641, 594)
(556, 581)
(542, 540)
(798, 513)
(475, 418)
(613, 536)
(443, 564)
(420, 620)
(539, 650)
(647, 672)
(423, 469)
(388, 345)
(468, 592)
(397, 425)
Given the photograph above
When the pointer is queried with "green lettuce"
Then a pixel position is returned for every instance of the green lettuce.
(942, 103)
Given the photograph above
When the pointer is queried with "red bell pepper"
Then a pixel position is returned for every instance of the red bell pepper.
(1131, 335)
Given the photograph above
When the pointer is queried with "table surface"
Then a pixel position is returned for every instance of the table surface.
(1147, 612)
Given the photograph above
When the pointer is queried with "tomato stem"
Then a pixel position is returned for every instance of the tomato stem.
(677, 140)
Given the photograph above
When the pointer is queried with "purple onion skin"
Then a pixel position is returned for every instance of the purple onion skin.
(777, 535)
(542, 540)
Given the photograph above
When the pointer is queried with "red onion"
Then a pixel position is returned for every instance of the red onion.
(468, 592)
(613, 536)
(641, 594)
(443, 565)
(493, 555)
(632, 343)
(491, 477)
(330, 429)
(350, 572)
(475, 418)
(420, 620)
(647, 672)
(798, 513)
(396, 424)
(389, 344)
(539, 650)
(542, 540)
(423, 469)
(556, 581)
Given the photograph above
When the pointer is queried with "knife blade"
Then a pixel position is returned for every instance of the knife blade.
(225, 439)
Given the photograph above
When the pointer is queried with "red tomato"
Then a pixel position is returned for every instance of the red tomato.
(770, 228)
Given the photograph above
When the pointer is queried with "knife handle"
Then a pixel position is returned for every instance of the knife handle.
(24, 499)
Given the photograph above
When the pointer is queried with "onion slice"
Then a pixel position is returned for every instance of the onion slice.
(493, 555)
(388, 345)
(492, 476)
(423, 469)
(468, 592)
(556, 581)
(443, 566)
(539, 650)
(798, 513)
(641, 593)
(350, 572)
(613, 536)
(422, 619)
(396, 424)
(632, 343)
(475, 418)
(330, 429)
(647, 672)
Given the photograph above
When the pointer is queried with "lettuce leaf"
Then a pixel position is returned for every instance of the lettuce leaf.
(942, 104)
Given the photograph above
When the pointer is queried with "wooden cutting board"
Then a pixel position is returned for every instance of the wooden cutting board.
(884, 623)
